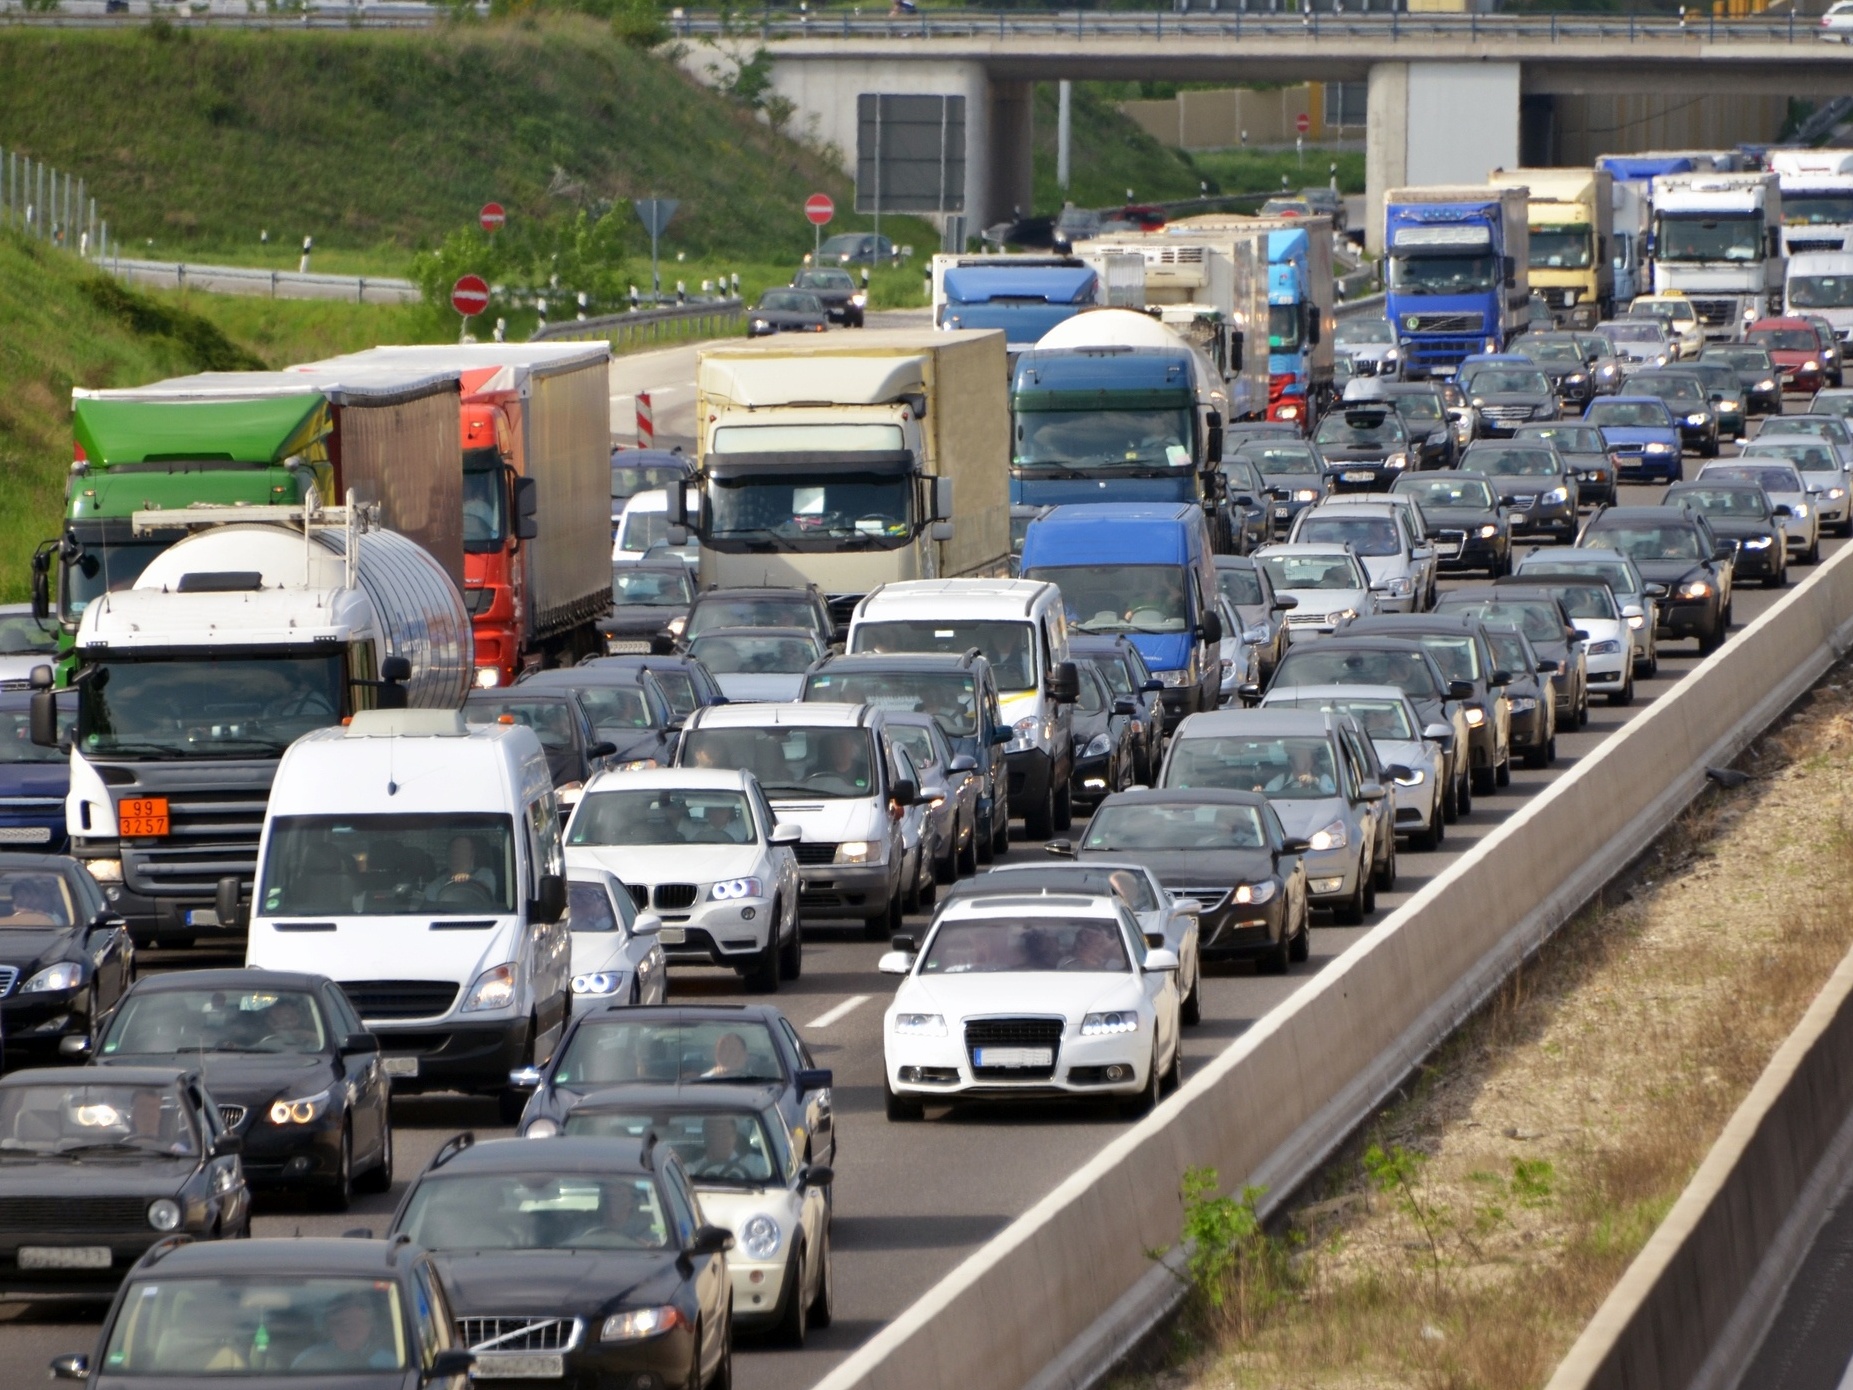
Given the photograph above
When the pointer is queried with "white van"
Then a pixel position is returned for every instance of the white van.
(1020, 627)
(419, 863)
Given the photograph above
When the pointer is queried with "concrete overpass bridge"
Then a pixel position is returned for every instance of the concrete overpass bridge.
(1451, 96)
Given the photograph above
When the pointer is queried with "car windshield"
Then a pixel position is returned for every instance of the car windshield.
(1510, 650)
(629, 479)
(1175, 826)
(735, 1148)
(661, 816)
(1033, 945)
(1513, 463)
(591, 907)
(258, 1326)
(1705, 237)
(1715, 377)
(208, 707)
(1423, 410)
(1119, 598)
(1724, 501)
(744, 653)
(550, 719)
(1442, 492)
(1556, 351)
(1157, 436)
(1360, 331)
(1286, 768)
(790, 301)
(1458, 657)
(1639, 541)
(1443, 274)
(1367, 535)
(1668, 388)
(1274, 460)
(388, 866)
(1538, 620)
(1629, 414)
(1010, 647)
(1785, 339)
(1587, 601)
(170, 1021)
(1666, 310)
(633, 587)
(1382, 719)
(1409, 672)
(1336, 571)
(536, 1211)
(1361, 429)
(1773, 477)
(616, 1051)
(643, 530)
(16, 745)
(1491, 381)
(1638, 331)
(1821, 291)
(824, 280)
(773, 611)
(678, 687)
(1754, 359)
(1617, 574)
(1829, 427)
(1242, 587)
(615, 706)
(1569, 439)
(790, 761)
(35, 899)
(950, 697)
(63, 1118)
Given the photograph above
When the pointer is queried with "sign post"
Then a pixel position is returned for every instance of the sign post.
(469, 297)
(493, 218)
(819, 208)
(655, 213)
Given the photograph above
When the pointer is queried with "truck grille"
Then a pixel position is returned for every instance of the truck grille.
(1554, 297)
(385, 999)
(1031, 1033)
(527, 1333)
(1444, 323)
(813, 853)
(36, 1215)
(1799, 245)
(1715, 313)
(214, 833)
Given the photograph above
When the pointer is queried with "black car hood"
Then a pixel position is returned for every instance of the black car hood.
(93, 1175)
(1088, 726)
(1530, 485)
(1292, 482)
(25, 947)
(1669, 571)
(1468, 517)
(784, 318)
(561, 1283)
(644, 619)
(1183, 868)
(245, 1078)
(1374, 453)
(1737, 527)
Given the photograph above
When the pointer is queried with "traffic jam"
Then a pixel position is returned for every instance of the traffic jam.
(389, 824)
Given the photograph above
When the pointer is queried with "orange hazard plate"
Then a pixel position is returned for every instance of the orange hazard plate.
(142, 815)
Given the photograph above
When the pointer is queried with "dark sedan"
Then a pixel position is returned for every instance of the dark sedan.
(643, 470)
(574, 751)
(1540, 615)
(1743, 514)
(685, 682)
(1123, 667)
(1530, 693)
(1689, 400)
(1246, 494)
(1677, 549)
(760, 607)
(1507, 395)
(1726, 393)
(1534, 484)
(1585, 451)
(33, 780)
(65, 956)
(1365, 447)
(1424, 411)
(649, 603)
(1465, 520)
(294, 1072)
(1293, 473)
(1563, 359)
(1757, 374)
(843, 299)
(1250, 889)
(628, 710)
(1103, 738)
(578, 1261)
(786, 311)
(101, 1165)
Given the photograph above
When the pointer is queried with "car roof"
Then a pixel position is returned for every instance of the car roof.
(229, 977)
(700, 1096)
(1587, 552)
(1188, 796)
(690, 778)
(787, 714)
(567, 677)
(313, 1255)
(1234, 562)
(809, 595)
(682, 1013)
(1339, 641)
(1630, 400)
(1305, 548)
(560, 1154)
(804, 634)
(648, 458)
(86, 1076)
(1653, 514)
(1411, 622)
(1336, 692)
(1061, 906)
(902, 661)
(1224, 723)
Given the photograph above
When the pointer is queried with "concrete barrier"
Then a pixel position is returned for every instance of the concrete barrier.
(1051, 1298)
(1693, 1307)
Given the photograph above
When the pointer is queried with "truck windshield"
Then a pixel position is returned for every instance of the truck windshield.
(105, 566)
(388, 866)
(1700, 238)
(810, 511)
(1821, 291)
(485, 517)
(199, 706)
(1803, 209)
(1456, 274)
(1284, 327)
(1010, 647)
(1561, 248)
(1120, 598)
(1056, 439)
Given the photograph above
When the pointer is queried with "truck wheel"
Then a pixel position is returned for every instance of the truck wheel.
(791, 954)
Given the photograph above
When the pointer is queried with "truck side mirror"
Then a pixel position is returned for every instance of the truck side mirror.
(41, 580)
(1511, 272)
(1315, 326)
(527, 508)
(1065, 683)
(43, 713)
(1211, 628)
(226, 905)
(549, 903)
(942, 499)
(1236, 343)
(395, 671)
(1212, 436)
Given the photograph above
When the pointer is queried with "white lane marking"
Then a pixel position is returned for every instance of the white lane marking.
(843, 1010)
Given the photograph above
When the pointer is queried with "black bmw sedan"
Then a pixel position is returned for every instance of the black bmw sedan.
(65, 956)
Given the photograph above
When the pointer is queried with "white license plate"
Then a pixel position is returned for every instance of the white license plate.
(1358, 476)
(1014, 1057)
(672, 936)
(202, 917)
(1519, 518)
(25, 835)
(1449, 552)
(64, 1257)
(519, 1365)
(399, 1066)
(1283, 511)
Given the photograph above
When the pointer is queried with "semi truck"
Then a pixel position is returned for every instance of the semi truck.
(1718, 241)
(850, 464)
(1570, 217)
(262, 624)
(536, 447)
(1113, 406)
(1817, 199)
(1027, 295)
(1458, 272)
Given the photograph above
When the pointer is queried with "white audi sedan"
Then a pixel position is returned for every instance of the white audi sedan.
(1038, 994)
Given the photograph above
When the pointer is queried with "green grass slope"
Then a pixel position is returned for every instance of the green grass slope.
(387, 141)
(1109, 153)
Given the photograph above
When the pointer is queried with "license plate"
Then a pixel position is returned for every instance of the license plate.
(672, 936)
(519, 1365)
(1449, 552)
(399, 1066)
(25, 835)
(1519, 518)
(202, 917)
(1358, 476)
(142, 815)
(1014, 1057)
(1283, 511)
(64, 1257)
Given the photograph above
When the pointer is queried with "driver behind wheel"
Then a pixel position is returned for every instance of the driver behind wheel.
(461, 873)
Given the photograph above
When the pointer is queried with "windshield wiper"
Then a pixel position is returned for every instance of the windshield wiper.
(114, 1146)
(738, 1080)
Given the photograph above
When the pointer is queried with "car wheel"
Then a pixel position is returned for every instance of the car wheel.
(926, 893)
(1350, 913)
(1142, 1104)
(1428, 839)
(1386, 875)
(885, 923)
(1367, 880)
(1302, 944)
(1625, 696)
(910, 896)
(902, 1109)
(1174, 1074)
(1538, 757)
(1463, 794)
(1190, 1009)
(723, 1370)
(1450, 800)
(968, 853)
(1777, 579)
(1485, 781)
(1503, 773)
(1712, 638)
(946, 870)
(1582, 710)
(791, 954)
(795, 1320)
(1062, 812)
(378, 1178)
(762, 976)
(1813, 557)
(1039, 823)
(339, 1194)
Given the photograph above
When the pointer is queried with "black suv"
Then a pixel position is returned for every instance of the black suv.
(1675, 547)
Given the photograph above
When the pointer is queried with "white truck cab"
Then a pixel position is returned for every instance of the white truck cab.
(419, 862)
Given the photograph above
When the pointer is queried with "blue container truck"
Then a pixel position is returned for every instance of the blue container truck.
(1457, 282)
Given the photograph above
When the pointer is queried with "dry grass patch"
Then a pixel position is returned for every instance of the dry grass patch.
(1467, 1236)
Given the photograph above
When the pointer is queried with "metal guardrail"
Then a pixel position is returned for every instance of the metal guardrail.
(251, 280)
(712, 318)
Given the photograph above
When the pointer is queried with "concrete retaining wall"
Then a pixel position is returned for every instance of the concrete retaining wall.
(1053, 1295)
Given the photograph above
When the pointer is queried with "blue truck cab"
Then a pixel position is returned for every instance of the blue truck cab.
(1299, 352)
(1458, 273)
(1144, 571)
(1025, 301)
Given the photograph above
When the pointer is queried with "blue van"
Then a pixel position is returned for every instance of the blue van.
(1143, 570)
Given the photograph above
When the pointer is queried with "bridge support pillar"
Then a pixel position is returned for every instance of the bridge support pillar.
(1012, 124)
(1437, 123)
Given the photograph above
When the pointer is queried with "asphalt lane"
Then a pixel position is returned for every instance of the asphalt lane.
(912, 1200)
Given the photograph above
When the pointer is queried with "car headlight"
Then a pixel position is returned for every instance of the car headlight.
(1396, 461)
(1730, 405)
(543, 1128)
(638, 765)
(1556, 494)
(1800, 509)
(1523, 704)
(494, 989)
(759, 1237)
(1575, 379)
(761, 323)
(639, 1323)
(1257, 893)
(1178, 675)
(1488, 531)
(67, 974)
(1306, 494)
(104, 870)
(1475, 716)
(859, 299)
(1334, 836)
(1757, 542)
(300, 1111)
(737, 888)
(1606, 647)
(1098, 747)
(164, 1214)
(598, 982)
(1655, 446)
(1811, 366)
(858, 852)
(1696, 588)
(1766, 385)
(1402, 586)
(919, 1025)
(1834, 494)
(1113, 1021)
(1695, 419)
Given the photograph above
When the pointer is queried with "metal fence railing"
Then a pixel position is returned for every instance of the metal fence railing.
(50, 205)
(253, 280)
(711, 318)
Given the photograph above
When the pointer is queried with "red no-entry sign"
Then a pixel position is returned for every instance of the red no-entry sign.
(1302, 123)
(470, 295)
(819, 208)
(492, 217)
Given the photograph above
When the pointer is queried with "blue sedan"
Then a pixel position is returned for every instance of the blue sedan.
(1641, 436)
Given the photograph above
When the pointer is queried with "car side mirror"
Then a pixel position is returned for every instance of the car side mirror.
(73, 1367)
(1401, 772)
(604, 748)
(786, 834)
(962, 762)
(1547, 667)
(1249, 693)
(1065, 683)
(228, 1146)
(1002, 734)
(359, 1045)
(524, 1078)
(77, 1045)
(1152, 687)
(817, 1175)
(894, 963)
(1293, 844)
(1579, 634)
(1211, 628)
(904, 792)
(1437, 731)
(1724, 550)
(1370, 791)
(1783, 509)
(1125, 704)
(904, 944)
(1157, 962)
(450, 1363)
(1633, 610)
(646, 924)
(709, 1240)
(1283, 602)
(663, 644)
(1657, 591)
(549, 903)
(1460, 690)
(1061, 849)
(815, 1079)
(1500, 678)
(226, 905)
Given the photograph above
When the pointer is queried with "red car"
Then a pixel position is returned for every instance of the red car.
(1795, 347)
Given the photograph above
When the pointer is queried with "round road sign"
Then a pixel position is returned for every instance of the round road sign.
(819, 208)
(1302, 123)
(470, 295)
(492, 217)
